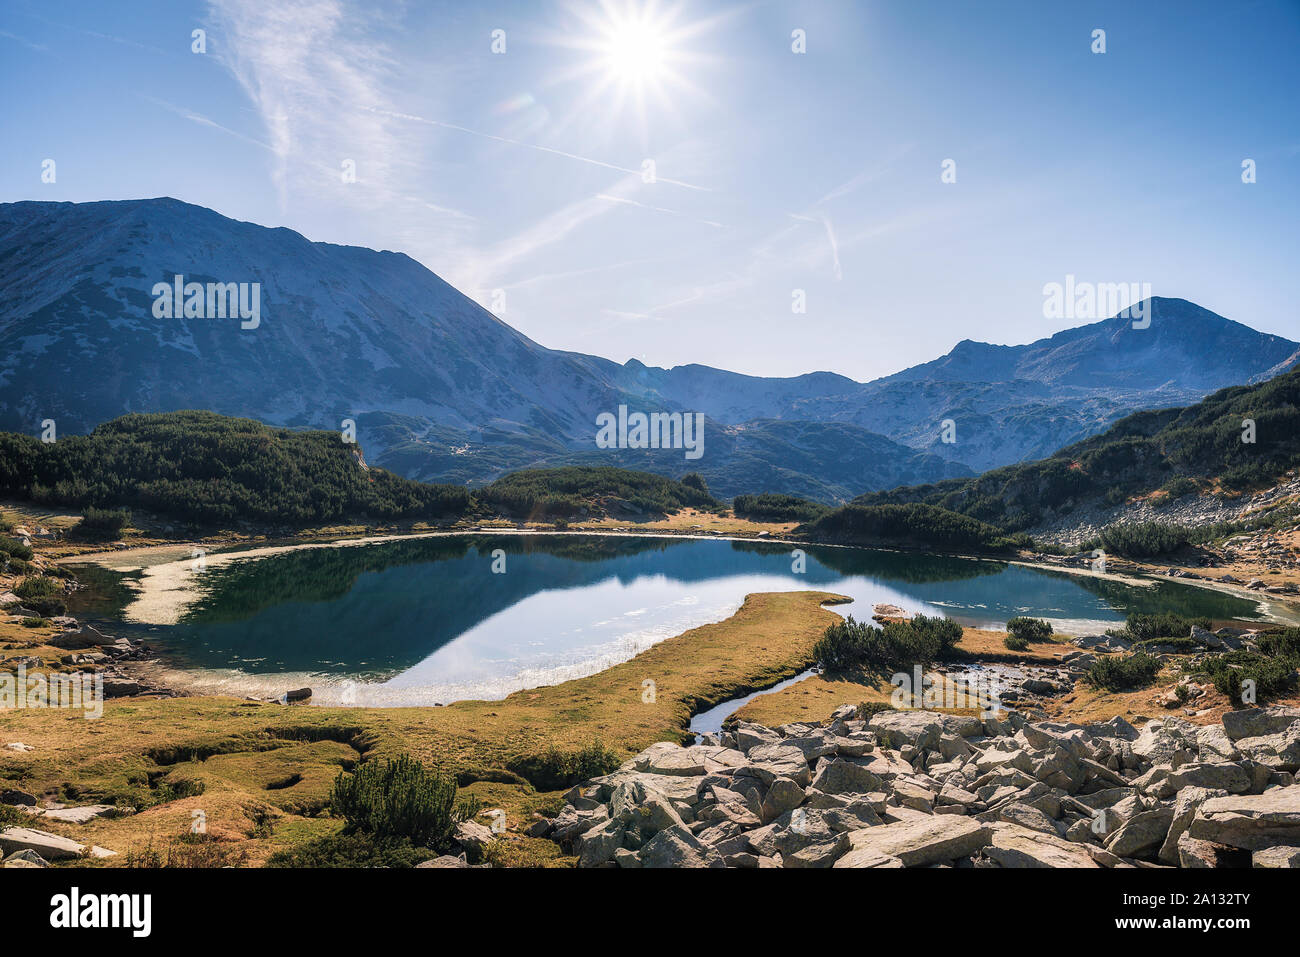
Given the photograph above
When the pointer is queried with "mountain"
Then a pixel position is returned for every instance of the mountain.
(442, 390)
(1237, 439)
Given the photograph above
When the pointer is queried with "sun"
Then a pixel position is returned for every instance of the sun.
(629, 57)
(636, 53)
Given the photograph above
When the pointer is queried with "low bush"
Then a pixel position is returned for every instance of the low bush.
(773, 507)
(102, 523)
(851, 644)
(1122, 673)
(351, 850)
(1285, 643)
(1016, 642)
(554, 769)
(1166, 625)
(399, 799)
(1029, 630)
(869, 709)
(1145, 539)
(15, 549)
(1250, 678)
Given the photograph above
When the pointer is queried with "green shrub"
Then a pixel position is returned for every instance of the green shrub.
(1285, 643)
(773, 507)
(554, 769)
(912, 524)
(1179, 645)
(869, 709)
(35, 622)
(1144, 540)
(399, 799)
(102, 522)
(1016, 642)
(846, 644)
(944, 631)
(1271, 676)
(851, 644)
(1122, 673)
(351, 850)
(1028, 630)
(15, 549)
(1166, 625)
(37, 586)
(1178, 487)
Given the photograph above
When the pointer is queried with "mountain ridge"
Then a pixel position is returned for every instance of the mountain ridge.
(445, 389)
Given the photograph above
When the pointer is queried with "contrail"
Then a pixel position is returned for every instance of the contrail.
(531, 146)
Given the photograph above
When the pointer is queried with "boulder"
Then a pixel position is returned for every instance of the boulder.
(843, 777)
(1185, 806)
(1277, 857)
(919, 842)
(772, 761)
(28, 858)
(678, 847)
(473, 837)
(1258, 722)
(1250, 821)
(52, 847)
(1014, 846)
(1224, 777)
(1143, 833)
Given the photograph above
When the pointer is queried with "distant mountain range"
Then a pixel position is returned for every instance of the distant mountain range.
(442, 390)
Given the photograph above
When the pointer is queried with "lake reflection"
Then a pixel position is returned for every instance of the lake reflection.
(428, 621)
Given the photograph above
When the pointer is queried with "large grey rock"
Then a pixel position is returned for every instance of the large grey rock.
(1161, 742)
(1258, 722)
(1185, 806)
(678, 847)
(1143, 833)
(843, 777)
(784, 795)
(822, 854)
(52, 847)
(1027, 817)
(1277, 857)
(28, 857)
(918, 842)
(1012, 845)
(1250, 821)
(598, 845)
(1225, 777)
(1281, 751)
(474, 837)
(771, 761)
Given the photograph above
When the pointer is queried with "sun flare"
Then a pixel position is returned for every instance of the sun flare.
(634, 57)
(636, 53)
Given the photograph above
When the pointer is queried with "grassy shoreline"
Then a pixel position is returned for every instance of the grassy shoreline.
(260, 772)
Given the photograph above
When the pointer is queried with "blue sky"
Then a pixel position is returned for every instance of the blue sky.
(774, 171)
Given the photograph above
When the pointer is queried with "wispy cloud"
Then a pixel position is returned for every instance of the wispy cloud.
(314, 78)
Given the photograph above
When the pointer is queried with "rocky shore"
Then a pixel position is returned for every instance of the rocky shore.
(926, 789)
(1195, 510)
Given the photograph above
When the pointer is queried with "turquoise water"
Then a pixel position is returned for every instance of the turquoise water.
(428, 621)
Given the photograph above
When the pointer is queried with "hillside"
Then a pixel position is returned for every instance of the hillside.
(1199, 447)
(201, 468)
